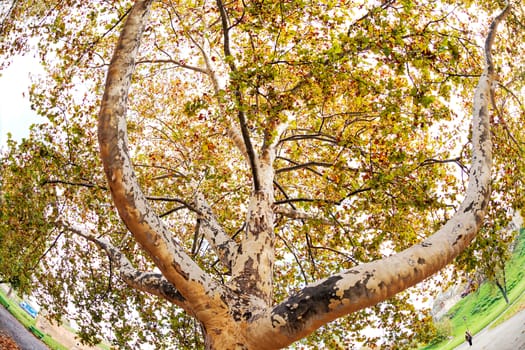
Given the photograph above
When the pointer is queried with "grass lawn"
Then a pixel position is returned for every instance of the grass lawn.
(487, 306)
(14, 307)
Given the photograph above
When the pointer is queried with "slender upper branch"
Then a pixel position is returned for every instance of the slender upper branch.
(306, 165)
(250, 151)
(490, 39)
(176, 63)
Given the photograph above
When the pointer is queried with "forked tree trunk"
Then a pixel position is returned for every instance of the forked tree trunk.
(240, 314)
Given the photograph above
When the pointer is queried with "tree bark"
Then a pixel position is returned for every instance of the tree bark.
(202, 293)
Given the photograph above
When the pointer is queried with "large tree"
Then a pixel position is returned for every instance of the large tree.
(276, 165)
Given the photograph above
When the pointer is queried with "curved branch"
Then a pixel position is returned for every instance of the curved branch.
(148, 230)
(151, 198)
(233, 133)
(306, 200)
(171, 199)
(226, 33)
(296, 258)
(90, 47)
(317, 136)
(489, 64)
(367, 284)
(172, 210)
(324, 201)
(72, 183)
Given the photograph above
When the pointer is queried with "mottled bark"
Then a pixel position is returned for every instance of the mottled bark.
(202, 293)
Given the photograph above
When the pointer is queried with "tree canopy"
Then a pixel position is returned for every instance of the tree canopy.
(275, 165)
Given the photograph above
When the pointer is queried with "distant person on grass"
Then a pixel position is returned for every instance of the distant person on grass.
(468, 337)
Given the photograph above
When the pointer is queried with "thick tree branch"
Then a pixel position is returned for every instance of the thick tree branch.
(178, 268)
(370, 283)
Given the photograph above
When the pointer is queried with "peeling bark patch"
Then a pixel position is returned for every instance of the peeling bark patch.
(457, 239)
(361, 286)
(469, 207)
(169, 290)
(317, 300)
(236, 316)
(479, 217)
(181, 271)
(426, 244)
(311, 300)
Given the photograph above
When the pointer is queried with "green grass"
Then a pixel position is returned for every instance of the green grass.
(518, 306)
(487, 305)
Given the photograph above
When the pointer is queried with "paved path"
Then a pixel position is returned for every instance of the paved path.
(23, 337)
(509, 335)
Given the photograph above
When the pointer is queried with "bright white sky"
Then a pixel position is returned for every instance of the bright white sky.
(15, 113)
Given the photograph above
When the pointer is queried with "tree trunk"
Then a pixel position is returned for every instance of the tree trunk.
(503, 288)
